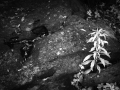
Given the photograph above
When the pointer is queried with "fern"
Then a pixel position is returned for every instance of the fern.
(98, 38)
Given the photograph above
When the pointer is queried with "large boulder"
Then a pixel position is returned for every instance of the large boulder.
(62, 52)
(47, 44)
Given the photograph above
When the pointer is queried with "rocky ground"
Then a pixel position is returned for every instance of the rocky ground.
(43, 42)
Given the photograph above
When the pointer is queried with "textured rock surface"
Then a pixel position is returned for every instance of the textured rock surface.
(43, 43)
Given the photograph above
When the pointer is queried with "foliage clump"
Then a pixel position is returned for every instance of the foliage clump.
(98, 38)
(108, 86)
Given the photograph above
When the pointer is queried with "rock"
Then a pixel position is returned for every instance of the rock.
(55, 56)
(61, 52)
(10, 62)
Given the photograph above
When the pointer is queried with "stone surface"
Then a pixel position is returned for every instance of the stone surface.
(43, 43)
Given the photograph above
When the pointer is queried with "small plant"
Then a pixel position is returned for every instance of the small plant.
(98, 38)
(78, 78)
(108, 86)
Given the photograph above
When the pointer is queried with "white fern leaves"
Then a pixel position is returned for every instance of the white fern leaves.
(87, 57)
(98, 38)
